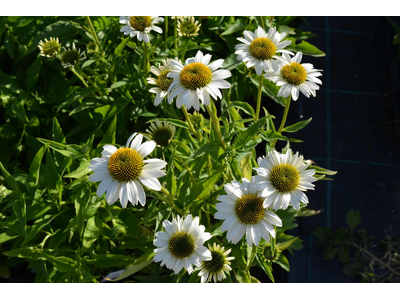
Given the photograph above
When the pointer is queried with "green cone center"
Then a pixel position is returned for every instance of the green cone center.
(70, 57)
(162, 136)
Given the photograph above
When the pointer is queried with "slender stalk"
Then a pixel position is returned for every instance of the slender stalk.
(260, 85)
(262, 22)
(166, 28)
(96, 39)
(176, 33)
(288, 100)
(184, 49)
(191, 128)
(216, 125)
(87, 78)
(273, 242)
(80, 77)
(186, 167)
(252, 256)
(169, 200)
(145, 58)
(270, 20)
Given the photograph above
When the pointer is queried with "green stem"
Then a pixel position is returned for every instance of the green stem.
(260, 85)
(166, 28)
(80, 77)
(216, 125)
(252, 256)
(186, 167)
(262, 22)
(191, 128)
(145, 58)
(273, 242)
(288, 100)
(176, 33)
(169, 200)
(96, 39)
(184, 49)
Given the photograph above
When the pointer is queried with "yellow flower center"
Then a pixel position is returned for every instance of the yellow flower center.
(216, 263)
(51, 48)
(262, 48)
(163, 81)
(70, 56)
(195, 75)
(294, 73)
(125, 164)
(140, 23)
(285, 178)
(181, 245)
(249, 209)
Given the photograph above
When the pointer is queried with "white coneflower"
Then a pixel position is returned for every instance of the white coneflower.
(140, 26)
(161, 133)
(283, 178)
(162, 82)
(71, 57)
(294, 77)
(259, 49)
(49, 48)
(215, 268)
(197, 80)
(123, 171)
(243, 211)
(181, 245)
(188, 27)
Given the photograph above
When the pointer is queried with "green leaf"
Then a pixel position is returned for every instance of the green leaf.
(297, 126)
(283, 262)
(9, 179)
(81, 171)
(200, 190)
(34, 169)
(306, 212)
(177, 123)
(245, 136)
(140, 263)
(88, 63)
(266, 268)
(237, 253)
(321, 170)
(306, 48)
(110, 260)
(270, 89)
(52, 176)
(73, 151)
(19, 208)
(243, 106)
(9, 44)
(93, 229)
(206, 148)
(82, 200)
(109, 137)
(286, 244)
(57, 133)
(8, 236)
(237, 26)
(121, 46)
(33, 72)
(353, 219)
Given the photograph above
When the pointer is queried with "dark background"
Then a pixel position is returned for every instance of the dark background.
(354, 131)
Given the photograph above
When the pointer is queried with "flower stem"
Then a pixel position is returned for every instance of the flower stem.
(186, 167)
(288, 100)
(184, 49)
(169, 200)
(145, 58)
(166, 28)
(96, 39)
(260, 85)
(216, 125)
(176, 33)
(191, 128)
(79, 76)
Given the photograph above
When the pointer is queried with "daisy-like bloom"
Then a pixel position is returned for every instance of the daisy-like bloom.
(188, 27)
(293, 77)
(123, 171)
(92, 47)
(140, 26)
(243, 211)
(49, 48)
(181, 246)
(283, 178)
(161, 133)
(265, 253)
(71, 57)
(197, 80)
(259, 49)
(162, 82)
(216, 267)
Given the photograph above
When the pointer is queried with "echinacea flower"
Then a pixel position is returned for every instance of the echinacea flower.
(162, 82)
(123, 171)
(283, 179)
(243, 211)
(181, 245)
(294, 77)
(71, 57)
(197, 80)
(161, 133)
(215, 268)
(188, 27)
(140, 26)
(49, 48)
(259, 49)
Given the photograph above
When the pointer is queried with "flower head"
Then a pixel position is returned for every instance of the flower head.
(71, 57)
(161, 133)
(283, 178)
(243, 211)
(265, 253)
(259, 49)
(92, 47)
(123, 171)
(49, 48)
(181, 245)
(140, 26)
(294, 77)
(215, 268)
(197, 80)
(188, 27)
(162, 82)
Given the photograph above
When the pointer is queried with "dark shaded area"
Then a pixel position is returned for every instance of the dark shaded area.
(353, 131)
